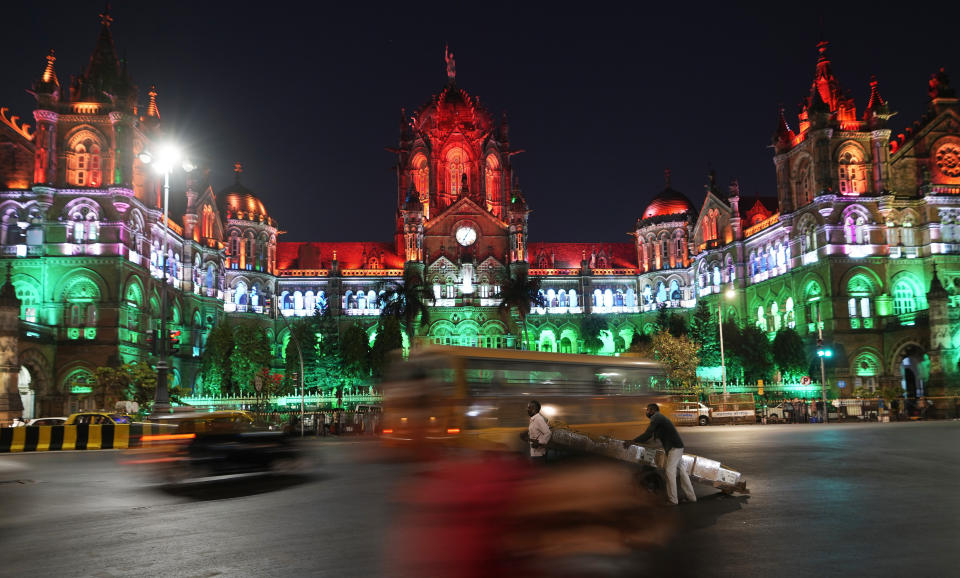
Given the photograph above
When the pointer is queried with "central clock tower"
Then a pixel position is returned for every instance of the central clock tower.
(455, 195)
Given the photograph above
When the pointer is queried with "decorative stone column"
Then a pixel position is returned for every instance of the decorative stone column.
(11, 405)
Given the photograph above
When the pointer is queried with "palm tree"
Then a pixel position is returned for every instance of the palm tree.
(407, 301)
(521, 293)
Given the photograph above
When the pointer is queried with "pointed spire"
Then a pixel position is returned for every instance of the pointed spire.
(8, 294)
(876, 101)
(105, 18)
(940, 86)
(936, 288)
(103, 72)
(152, 104)
(711, 185)
(49, 74)
(783, 137)
(825, 83)
(666, 178)
(237, 170)
(48, 84)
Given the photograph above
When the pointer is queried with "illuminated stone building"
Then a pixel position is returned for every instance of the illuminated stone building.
(862, 233)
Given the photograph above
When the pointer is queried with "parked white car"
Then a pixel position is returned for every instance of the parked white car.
(692, 413)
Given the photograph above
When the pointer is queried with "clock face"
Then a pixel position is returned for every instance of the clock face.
(466, 235)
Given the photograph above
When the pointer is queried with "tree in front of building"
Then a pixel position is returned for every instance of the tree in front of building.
(749, 348)
(355, 352)
(129, 382)
(678, 355)
(789, 354)
(303, 334)
(520, 294)
(250, 355)
(389, 338)
(407, 302)
(215, 367)
(591, 326)
(704, 332)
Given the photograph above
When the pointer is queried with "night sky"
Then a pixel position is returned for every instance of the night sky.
(601, 97)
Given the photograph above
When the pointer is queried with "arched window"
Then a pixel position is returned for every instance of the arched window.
(573, 298)
(860, 290)
(716, 276)
(207, 222)
(761, 319)
(790, 317)
(240, 294)
(803, 183)
(904, 297)
(457, 167)
(907, 235)
(774, 317)
(298, 300)
(29, 301)
(808, 238)
(855, 230)
(420, 174)
(492, 177)
(853, 177)
(250, 253)
(664, 253)
(661, 292)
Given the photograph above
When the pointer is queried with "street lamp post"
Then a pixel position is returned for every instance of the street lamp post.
(823, 371)
(300, 357)
(164, 164)
(730, 293)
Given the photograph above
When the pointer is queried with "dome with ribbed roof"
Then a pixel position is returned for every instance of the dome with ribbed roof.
(668, 202)
(239, 202)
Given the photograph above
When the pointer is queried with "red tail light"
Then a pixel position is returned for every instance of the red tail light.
(453, 430)
(168, 437)
(388, 430)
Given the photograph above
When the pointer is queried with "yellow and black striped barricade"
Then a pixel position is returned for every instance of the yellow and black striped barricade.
(43, 438)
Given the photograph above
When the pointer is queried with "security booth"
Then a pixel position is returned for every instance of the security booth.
(732, 408)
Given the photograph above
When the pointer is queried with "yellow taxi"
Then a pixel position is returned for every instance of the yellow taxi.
(99, 418)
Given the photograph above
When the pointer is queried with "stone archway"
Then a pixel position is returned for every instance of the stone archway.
(914, 369)
(47, 400)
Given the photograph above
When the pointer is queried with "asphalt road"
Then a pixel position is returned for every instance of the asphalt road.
(845, 499)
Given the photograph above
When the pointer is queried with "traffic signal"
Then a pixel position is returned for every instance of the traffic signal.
(152, 342)
(174, 341)
(823, 351)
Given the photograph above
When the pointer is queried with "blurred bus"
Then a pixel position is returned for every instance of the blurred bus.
(474, 397)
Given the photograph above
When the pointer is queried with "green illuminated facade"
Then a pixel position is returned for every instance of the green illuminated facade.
(862, 234)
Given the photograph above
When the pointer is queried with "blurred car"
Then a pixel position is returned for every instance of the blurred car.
(202, 447)
(99, 418)
(48, 421)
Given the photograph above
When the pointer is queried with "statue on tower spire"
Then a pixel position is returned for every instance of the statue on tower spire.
(451, 64)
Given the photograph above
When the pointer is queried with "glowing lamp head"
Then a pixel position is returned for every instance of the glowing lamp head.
(730, 294)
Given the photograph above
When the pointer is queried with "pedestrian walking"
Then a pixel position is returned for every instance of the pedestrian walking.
(788, 411)
(662, 429)
(538, 432)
